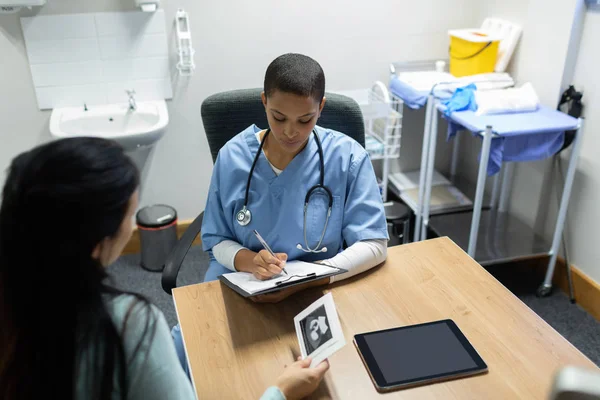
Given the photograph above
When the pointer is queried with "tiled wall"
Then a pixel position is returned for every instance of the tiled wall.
(94, 58)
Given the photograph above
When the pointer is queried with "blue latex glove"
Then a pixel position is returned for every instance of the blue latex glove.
(462, 99)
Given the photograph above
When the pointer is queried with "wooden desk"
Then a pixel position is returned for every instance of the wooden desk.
(237, 348)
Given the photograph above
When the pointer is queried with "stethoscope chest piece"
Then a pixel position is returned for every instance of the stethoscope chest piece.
(243, 217)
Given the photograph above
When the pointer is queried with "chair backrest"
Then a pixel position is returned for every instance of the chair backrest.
(228, 113)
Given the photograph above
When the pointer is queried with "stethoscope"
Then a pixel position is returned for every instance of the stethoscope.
(244, 216)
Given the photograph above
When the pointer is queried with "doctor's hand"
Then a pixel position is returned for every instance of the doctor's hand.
(299, 380)
(266, 266)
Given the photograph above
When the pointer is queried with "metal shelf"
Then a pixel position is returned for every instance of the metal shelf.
(469, 188)
(461, 185)
(383, 126)
(501, 237)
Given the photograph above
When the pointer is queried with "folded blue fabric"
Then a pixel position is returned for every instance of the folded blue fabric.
(463, 99)
(411, 97)
(516, 148)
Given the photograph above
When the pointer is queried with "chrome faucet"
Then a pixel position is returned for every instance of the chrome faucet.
(132, 103)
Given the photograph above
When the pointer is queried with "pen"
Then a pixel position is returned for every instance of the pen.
(266, 246)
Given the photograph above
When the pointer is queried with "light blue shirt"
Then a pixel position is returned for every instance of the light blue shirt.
(153, 370)
(277, 202)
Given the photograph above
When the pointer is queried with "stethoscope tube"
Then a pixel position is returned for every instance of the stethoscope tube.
(321, 185)
(262, 142)
(244, 216)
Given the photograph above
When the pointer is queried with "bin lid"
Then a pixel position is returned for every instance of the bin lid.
(475, 35)
(156, 216)
(395, 211)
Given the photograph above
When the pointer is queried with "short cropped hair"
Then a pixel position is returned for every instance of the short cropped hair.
(297, 74)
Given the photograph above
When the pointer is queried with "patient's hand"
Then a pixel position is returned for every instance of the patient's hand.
(299, 380)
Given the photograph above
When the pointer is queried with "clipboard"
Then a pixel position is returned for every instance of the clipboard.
(283, 285)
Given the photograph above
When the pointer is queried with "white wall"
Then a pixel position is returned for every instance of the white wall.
(234, 43)
(93, 58)
(558, 47)
(540, 58)
(584, 210)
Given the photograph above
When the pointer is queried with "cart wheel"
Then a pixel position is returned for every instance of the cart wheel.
(544, 291)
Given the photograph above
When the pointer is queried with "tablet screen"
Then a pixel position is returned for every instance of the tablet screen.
(419, 352)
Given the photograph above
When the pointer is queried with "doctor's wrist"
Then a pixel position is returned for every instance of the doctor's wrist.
(243, 261)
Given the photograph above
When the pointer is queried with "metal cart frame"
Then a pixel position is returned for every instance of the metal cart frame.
(501, 191)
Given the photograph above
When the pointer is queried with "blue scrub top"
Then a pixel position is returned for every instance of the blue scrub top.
(277, 202)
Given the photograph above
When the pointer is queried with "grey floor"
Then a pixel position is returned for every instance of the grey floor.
(569, 320)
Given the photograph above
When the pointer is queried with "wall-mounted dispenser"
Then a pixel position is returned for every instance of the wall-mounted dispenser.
(12, 6)
(185, 49)
(148, 5)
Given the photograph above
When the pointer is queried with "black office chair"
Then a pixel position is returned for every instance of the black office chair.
(228, 113)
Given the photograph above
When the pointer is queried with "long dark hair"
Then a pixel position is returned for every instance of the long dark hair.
(59, 201)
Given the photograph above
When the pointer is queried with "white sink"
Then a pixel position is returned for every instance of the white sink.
(143, 126)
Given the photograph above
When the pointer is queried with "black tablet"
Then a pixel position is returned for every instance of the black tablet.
(418, 354)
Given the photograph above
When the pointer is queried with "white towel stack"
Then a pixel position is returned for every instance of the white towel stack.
(489, 81)
(425, 80)
(523, 99)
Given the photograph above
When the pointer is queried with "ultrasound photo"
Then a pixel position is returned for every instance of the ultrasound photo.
(316, 330)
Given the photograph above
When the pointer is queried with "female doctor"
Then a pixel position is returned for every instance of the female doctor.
(309, 191)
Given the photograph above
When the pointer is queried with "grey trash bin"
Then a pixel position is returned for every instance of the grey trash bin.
(397, 216)
(157, 225)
